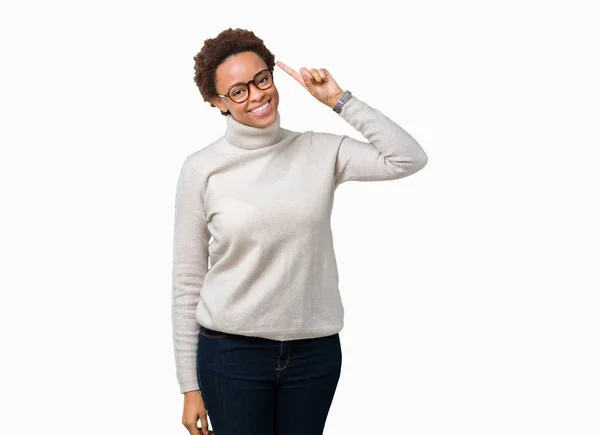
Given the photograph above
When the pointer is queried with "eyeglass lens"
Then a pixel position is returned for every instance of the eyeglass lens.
(239, 93)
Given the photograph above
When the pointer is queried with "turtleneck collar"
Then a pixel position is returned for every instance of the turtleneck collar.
(250, 137)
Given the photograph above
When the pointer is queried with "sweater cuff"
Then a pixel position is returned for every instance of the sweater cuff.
(188, 386)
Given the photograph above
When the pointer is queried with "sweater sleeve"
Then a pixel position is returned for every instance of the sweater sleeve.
(190, 264)
(389, 154)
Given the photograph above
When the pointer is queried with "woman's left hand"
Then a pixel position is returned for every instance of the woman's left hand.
(319, 83)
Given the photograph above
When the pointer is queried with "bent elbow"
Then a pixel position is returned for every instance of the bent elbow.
(420, 162)
(408, 166)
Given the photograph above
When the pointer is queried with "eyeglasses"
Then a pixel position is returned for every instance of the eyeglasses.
(239, 92)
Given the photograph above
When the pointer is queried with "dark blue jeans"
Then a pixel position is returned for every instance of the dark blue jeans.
(258, 386)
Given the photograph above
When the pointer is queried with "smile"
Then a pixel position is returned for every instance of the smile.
(262, 108)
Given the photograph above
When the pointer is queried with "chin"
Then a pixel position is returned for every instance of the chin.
(265, 119)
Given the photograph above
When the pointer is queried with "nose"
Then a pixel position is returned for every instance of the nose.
(255, 94)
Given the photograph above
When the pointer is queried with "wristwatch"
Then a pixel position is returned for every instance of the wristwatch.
(343, 100)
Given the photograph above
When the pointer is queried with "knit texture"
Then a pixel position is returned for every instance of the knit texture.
(265, 196)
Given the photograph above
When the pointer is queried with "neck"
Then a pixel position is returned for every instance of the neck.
(250, 137)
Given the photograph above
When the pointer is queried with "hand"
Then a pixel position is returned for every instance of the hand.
(194, 409)
(319, 83)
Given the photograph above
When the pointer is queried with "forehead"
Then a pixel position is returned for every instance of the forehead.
(239, 67)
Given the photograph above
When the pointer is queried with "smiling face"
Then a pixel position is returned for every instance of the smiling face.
(241, 68)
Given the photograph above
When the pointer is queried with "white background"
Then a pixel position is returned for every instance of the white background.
(470, 288)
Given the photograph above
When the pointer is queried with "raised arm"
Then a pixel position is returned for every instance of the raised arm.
(389, 154)
(190, 264)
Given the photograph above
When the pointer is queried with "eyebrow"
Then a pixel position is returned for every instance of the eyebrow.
(242, 83)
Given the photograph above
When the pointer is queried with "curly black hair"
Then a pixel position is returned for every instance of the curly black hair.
(216, 50)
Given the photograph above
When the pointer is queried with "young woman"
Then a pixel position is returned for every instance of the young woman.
(256, 335)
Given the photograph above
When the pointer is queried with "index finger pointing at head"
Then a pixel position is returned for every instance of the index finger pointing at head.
(284, 67)
(291, 72)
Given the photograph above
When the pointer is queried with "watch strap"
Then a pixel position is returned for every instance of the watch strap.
(343, 100)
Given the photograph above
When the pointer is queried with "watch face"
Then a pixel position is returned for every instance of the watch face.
(343, 99)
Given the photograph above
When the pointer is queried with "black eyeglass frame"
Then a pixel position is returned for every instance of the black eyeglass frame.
(248, 85)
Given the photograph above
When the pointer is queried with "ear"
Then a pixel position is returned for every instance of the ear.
(217, 101)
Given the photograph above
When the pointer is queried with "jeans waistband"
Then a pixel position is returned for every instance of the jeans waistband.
(215, 332)
(211, 331)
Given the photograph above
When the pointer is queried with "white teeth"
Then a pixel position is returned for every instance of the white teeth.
(261, 108)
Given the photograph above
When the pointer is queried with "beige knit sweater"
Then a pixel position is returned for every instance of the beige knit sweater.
(265, 195)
